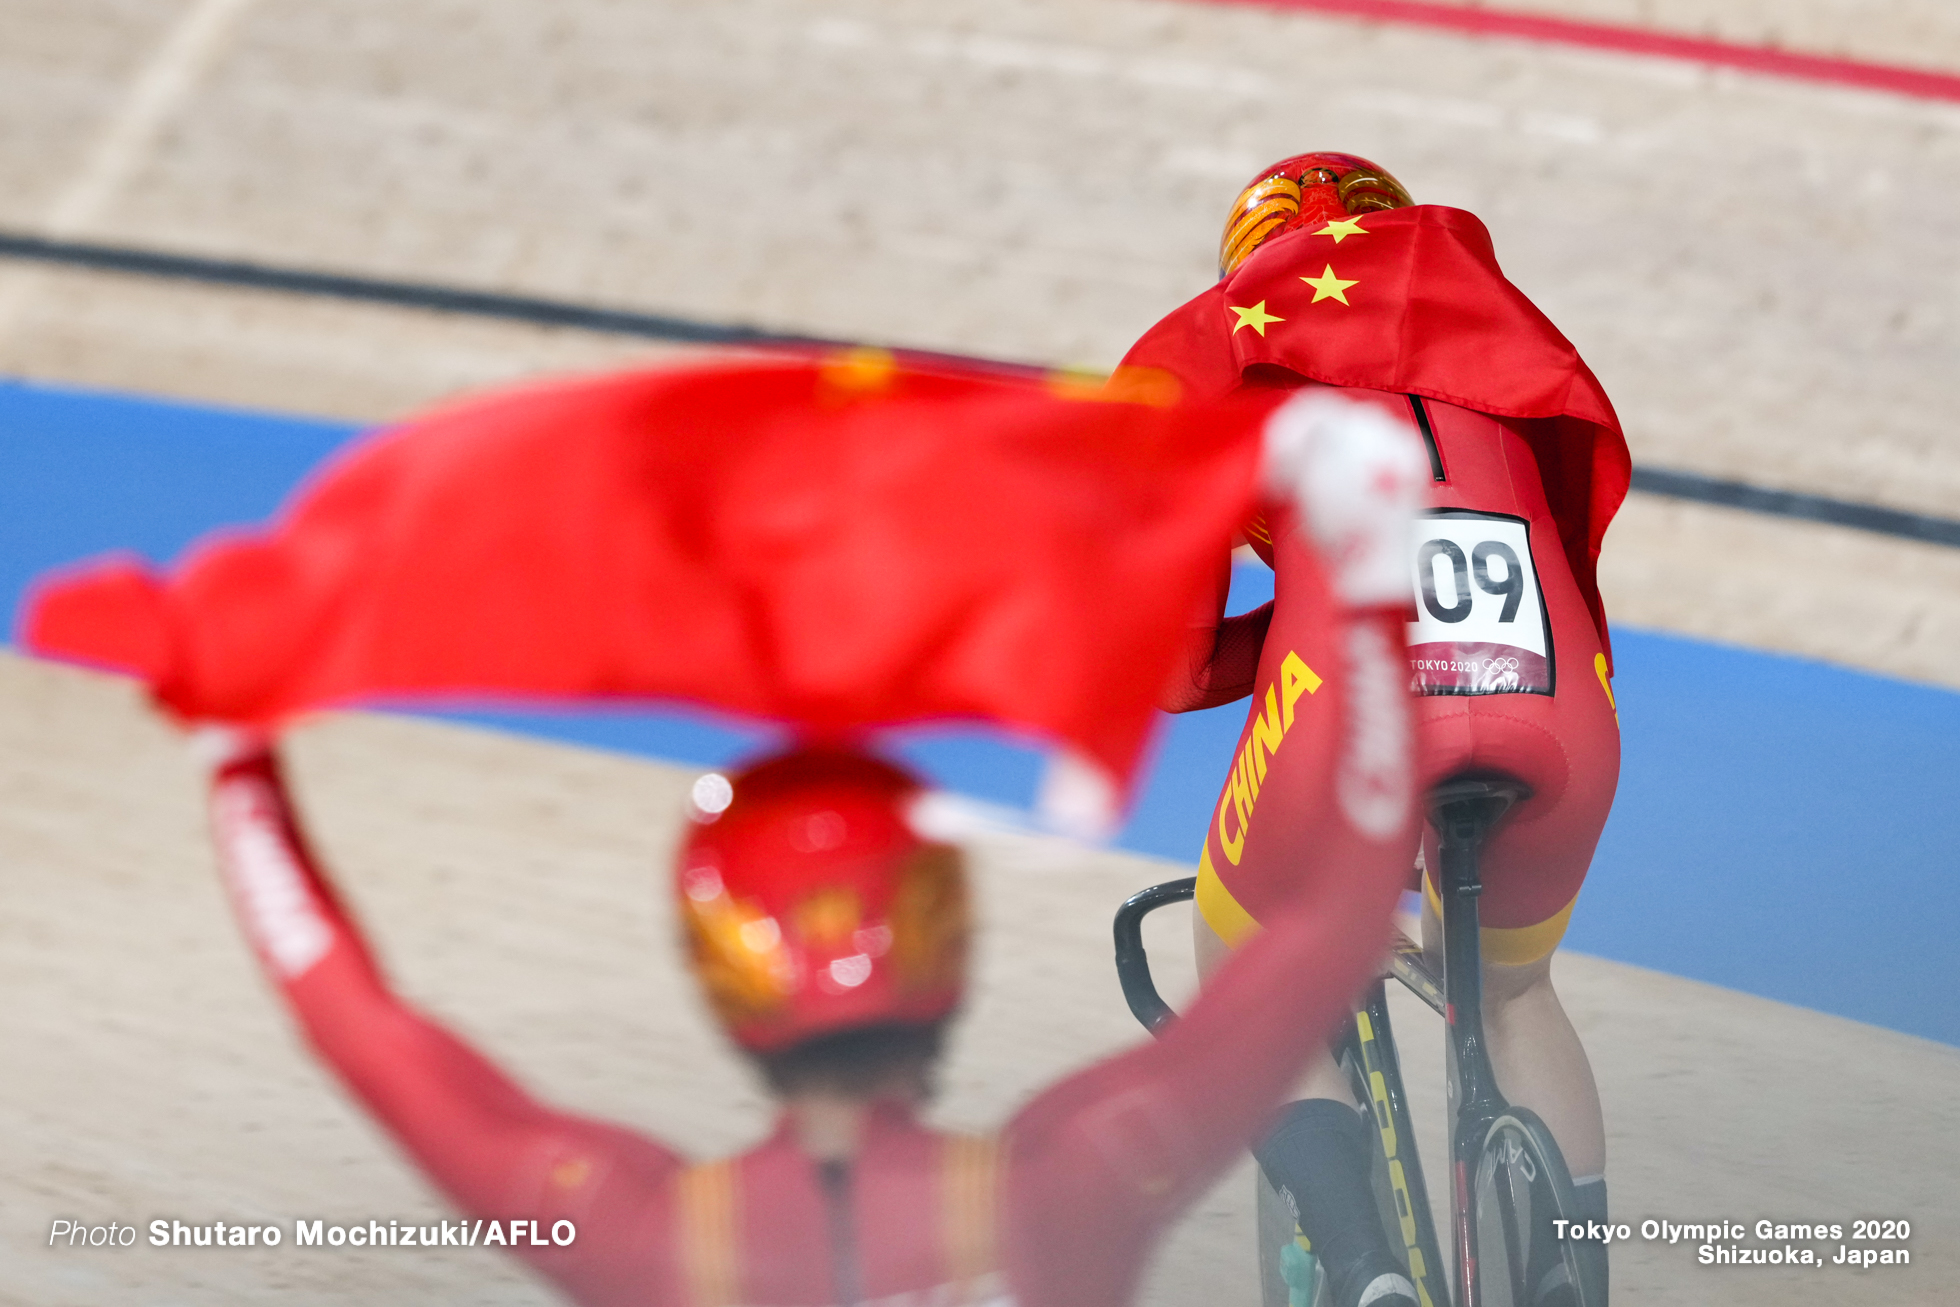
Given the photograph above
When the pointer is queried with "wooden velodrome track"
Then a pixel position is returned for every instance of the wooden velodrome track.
(1762, 273)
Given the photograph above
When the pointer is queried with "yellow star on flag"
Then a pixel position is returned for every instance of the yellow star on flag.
(1343, 229)
(1255, 317)
(1329, 287)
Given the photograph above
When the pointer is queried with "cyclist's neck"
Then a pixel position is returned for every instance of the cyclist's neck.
(830, 1127)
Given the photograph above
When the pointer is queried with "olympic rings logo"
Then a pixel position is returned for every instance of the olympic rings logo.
(1501, 664)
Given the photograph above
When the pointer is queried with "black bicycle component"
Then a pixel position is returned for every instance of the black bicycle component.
(1407, 964)
(1132, 963)
(1374, 1072)
(1509, 1179)
(1406, 961)
(1519, 1186)
(1464, 812)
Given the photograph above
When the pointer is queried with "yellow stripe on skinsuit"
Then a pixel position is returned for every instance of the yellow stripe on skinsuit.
(969, 1197)
(1221, 911)
(1599, 668)
(709, 1259)
(1266, 732)
(1513, 946)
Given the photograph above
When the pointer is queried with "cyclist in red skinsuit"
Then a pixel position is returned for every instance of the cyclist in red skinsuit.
(1565, 746)
(830, 938)
(1508, 653)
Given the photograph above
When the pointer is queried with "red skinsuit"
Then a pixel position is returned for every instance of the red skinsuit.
(1064, 1209)
(1565, 745)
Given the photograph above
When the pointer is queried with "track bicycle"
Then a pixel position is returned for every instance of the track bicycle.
(1508, 1181)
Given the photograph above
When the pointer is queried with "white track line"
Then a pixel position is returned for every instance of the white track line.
(169, 79)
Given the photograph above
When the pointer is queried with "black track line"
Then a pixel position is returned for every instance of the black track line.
(539, 311)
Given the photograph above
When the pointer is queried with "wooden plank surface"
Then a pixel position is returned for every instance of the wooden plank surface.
(1762, 273)
(516, 889)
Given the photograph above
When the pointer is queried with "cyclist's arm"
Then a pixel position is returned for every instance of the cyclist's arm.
(1100, 1163)
(495, 1151)
(1221, 654)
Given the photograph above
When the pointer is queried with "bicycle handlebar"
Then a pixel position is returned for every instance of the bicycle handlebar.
(1463, 810)
(1406, 962)
(1132, 963)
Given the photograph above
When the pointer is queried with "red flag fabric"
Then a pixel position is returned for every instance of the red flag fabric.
(837, 544)
(1410, 301)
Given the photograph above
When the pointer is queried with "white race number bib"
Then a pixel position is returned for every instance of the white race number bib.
(1480, 623)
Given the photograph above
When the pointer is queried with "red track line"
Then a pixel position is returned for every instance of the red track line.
(1919, 83)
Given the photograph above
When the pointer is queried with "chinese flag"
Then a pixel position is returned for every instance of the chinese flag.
(1410, 301)
(833, 543)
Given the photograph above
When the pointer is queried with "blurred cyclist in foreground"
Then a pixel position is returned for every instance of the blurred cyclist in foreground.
(828, 930)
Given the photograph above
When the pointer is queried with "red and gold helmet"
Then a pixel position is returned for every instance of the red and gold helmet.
(811, 905)
(1316, 188)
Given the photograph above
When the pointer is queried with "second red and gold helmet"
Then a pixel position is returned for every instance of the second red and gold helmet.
(810, 905)
(1306, 188)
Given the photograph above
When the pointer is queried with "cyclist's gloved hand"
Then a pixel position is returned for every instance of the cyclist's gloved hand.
(1356, 477)
(219, 745)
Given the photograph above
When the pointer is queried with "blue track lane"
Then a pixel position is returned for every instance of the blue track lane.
(1777, 831)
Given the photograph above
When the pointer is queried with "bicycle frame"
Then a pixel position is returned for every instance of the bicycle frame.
(1367, 1046)
(1464, 813)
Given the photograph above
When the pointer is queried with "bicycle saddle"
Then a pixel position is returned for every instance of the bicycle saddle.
(1468, 807)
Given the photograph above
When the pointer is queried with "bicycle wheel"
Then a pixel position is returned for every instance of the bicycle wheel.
(1518, 1187)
